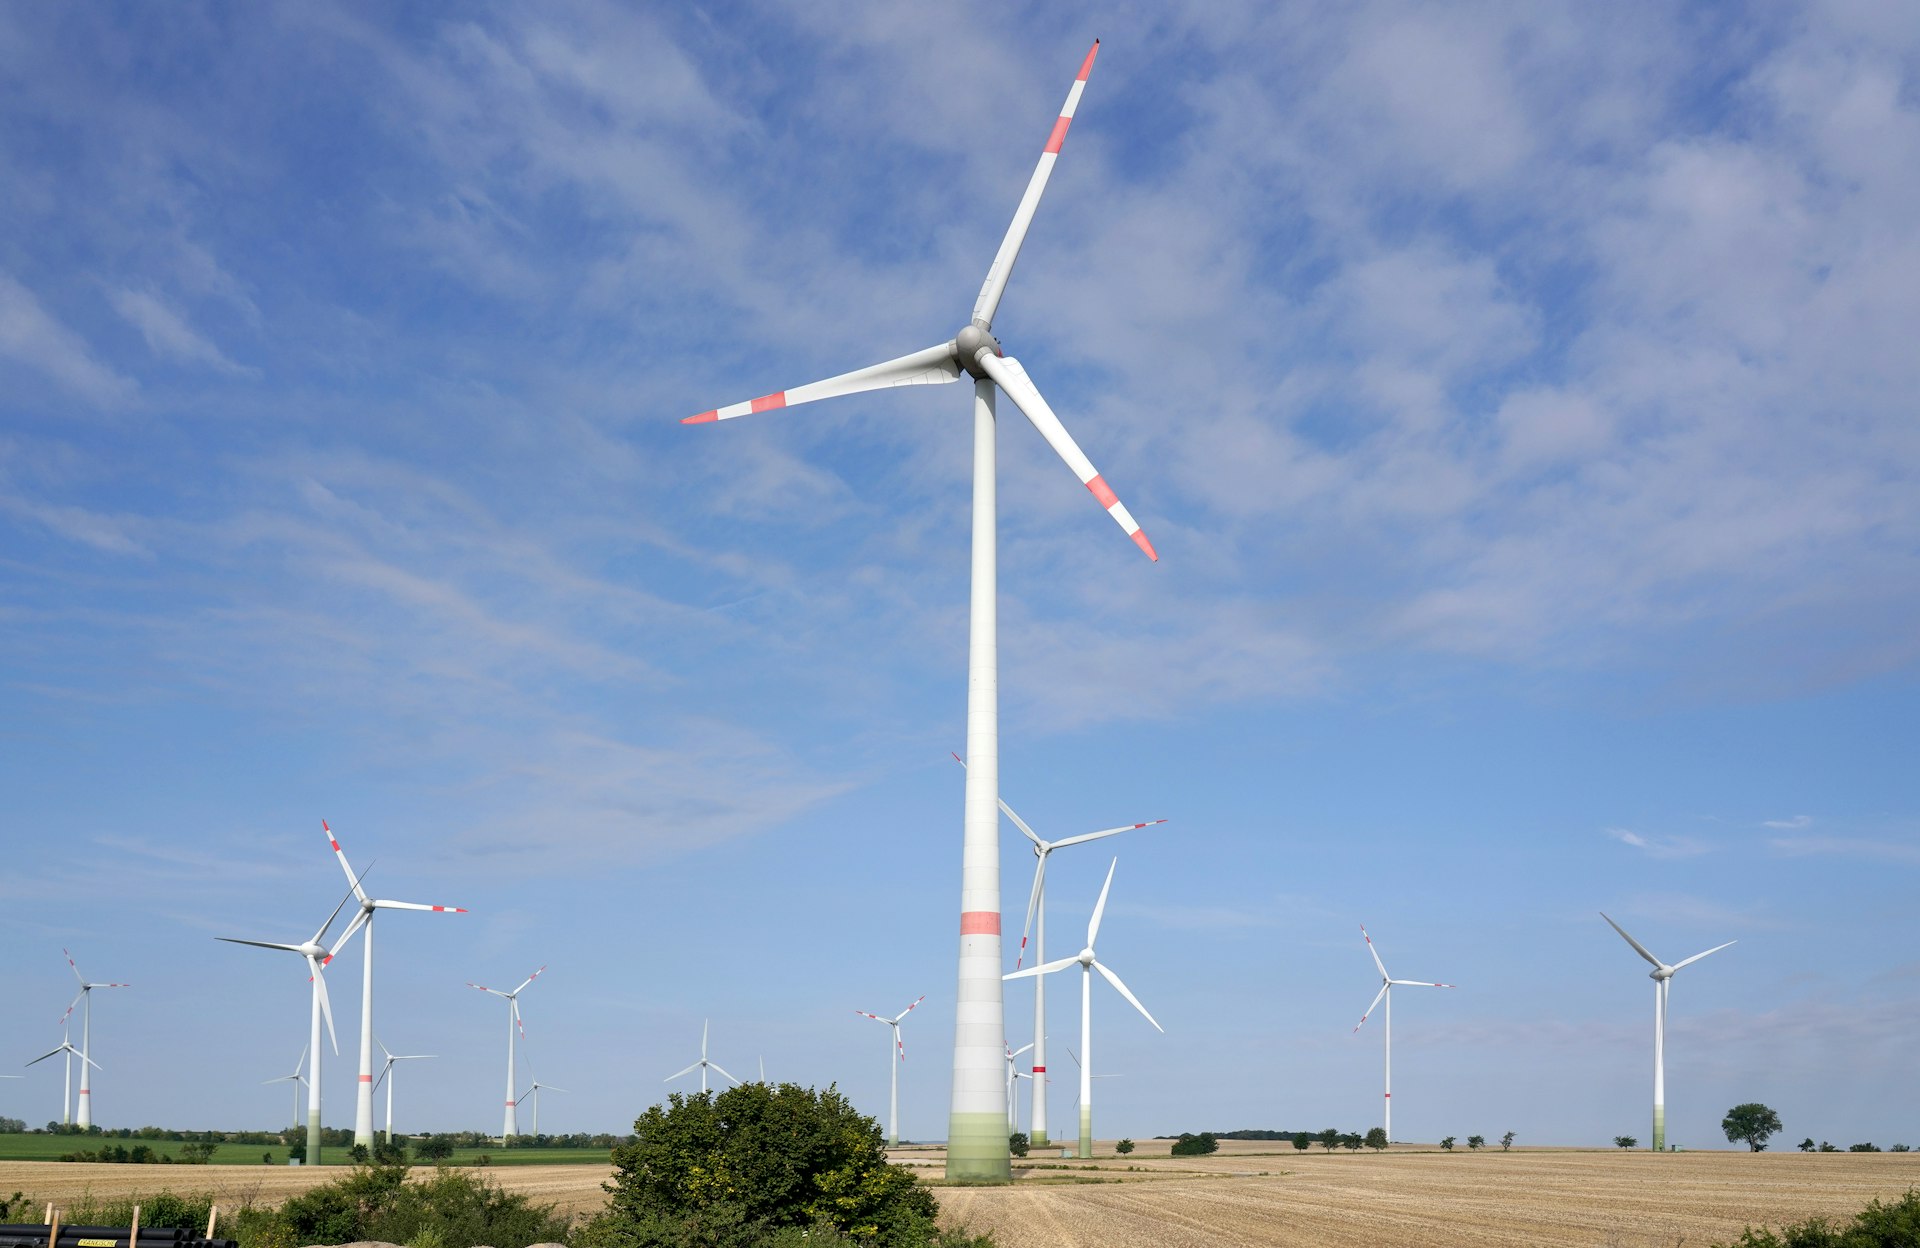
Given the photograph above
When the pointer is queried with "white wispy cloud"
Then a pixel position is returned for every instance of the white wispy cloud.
(1906, 853)
(30, 336)
(168, 334)
(1660, 847)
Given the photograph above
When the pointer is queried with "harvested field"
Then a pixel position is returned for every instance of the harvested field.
(1529, 1198)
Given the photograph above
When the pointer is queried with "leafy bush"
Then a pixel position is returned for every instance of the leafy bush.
(1447, 1143)
(1627, 1141)
(1302, 1141)
(1376, 1138)
(754, 1165)
(1476, 1141)
(1190, 1145)
(1877, 1226)
(1124, 1147)
(1863, 1148)
(1017, 1144)
(452, 1207)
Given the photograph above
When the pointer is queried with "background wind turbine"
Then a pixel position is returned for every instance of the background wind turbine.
(702, 1065)
(386, 1073)
(1014, 1075)
(1661, 975)
(1036, 924)
(363, 1101)
(512, 1127)
(85, 1002)
(1088, 964)
(896, 1053)
(66, 1046)
(976, 1135)
(534, 1092)
(319, 1008)
(1387, 985)
(298, 1081)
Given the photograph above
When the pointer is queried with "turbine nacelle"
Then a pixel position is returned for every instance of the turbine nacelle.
(967, 346)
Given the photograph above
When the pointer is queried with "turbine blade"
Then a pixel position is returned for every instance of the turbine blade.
(259, 944)
(1009, 811)
(1059, 964)
(1420, 983)
(1369, 1014)
(76, 970)
(1696, 957)
(689, 1070)
(996, 284)
(326, 1005)
(89, 1061)
(933, 366)
(321, 934)
(414, 905)
(44, 1056)
(1375, 953)
(1123, 991)
(717, 1066)
(1100, 907)
(529, 979)
(353, 881)
(1033, 907)
(513, 1007)
(903, 1013)
(347, 935)
(1012, 378)
(1094, 836)
(1637, 946)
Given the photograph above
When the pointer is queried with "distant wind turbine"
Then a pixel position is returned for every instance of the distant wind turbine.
(66, 1046)
(363, 1103)
(1387, 985)
(896, 1053)
(702, 1065)
(387, 1077)
(535, 1092)
(512, 1127)
(1661, 975)
(298, 1081)
(85, 1001)
(1088, 964)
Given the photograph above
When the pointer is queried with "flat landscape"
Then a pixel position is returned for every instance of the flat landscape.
(1521, 1199)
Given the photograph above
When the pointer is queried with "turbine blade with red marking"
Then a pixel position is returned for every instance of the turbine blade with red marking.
(903, 1013)
(536, 975)
(414, 905)
(353, 881)
(1094, 836)
(933, 366)
(326, 1005)
(1033, 906)
(1012, 378)
(1376, 956)
(1369, 1014)
(1003, 260)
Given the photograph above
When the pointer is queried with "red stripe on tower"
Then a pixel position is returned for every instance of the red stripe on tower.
(1059, 134)
(767, 402)
(980, 923)
(366, 1078)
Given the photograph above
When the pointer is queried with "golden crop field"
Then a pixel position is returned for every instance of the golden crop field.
(1528, 1198)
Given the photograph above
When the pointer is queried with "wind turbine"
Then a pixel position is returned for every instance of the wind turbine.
(363, 1103)
(298, 1081)
(1037, 925)
(1014, 1075)
(534, 1092)
(319, 1008)
(893, 1068)
(386, 1077)
(1088, 964)
(976, 1138)
(1387, 985)
(512, 1127)
(1661, 974)
(701, 1065)
(66, 1046)
(85, 1001)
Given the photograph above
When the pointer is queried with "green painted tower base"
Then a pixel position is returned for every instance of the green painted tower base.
(977, 1148)
(1086, 1132)
(1659, 1128)
(1039, 1139)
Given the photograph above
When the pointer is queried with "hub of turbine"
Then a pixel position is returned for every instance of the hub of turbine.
(967, 345)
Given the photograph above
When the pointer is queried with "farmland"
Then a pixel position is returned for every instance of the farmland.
(1523, 1199)
(30, 1147)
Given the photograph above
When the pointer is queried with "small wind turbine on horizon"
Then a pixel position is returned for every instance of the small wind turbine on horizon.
(976, 1138)
(85, 1001)
(298, 1081)
(387, 1077)
(1088, 964)
(363, 1102)
(1014, 1076)
(66, 1046)
(896, 1053)
(702, 1065)
(512, 1127)
(534, 1092)
(319, 1007)
(1662, 974)
(1037, 925)
(1387, 985)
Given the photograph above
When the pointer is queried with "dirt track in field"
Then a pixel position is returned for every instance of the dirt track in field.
(1401, 1199)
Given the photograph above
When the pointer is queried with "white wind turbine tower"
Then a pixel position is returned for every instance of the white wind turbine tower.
(512, 1127)
(298, 1081)
(702, 1065)
(1036, 924)
(976, 1140)
(363, 1103)
(85, 1001)
(1661, 975)
(896, 1053)
(66, 1046)
(534, 1092)
(1088, 964)
(1387, 985)
(387, 1077)
(319, 1008)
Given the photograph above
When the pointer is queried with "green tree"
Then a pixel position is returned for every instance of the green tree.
(1123, 1147)
(197, 1153)
(1190, 1145)
(1806, 1145)
(1752, 1123)
(1476, 1141)
(1506, 1141)
(434, 1148)
(1376, 1138)
(1447, 1143)
(1329, 1139)
(1625, 1141)
(1303, 1140)
(1825, 1147)
(743, 1165)
(1863, 1148)
(1017, 1144)
(1351, 1141)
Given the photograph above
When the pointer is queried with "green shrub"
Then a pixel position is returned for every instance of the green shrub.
(1302, 1141)
(1877, 1226)
(1017, 1144)
(1123, 1147)
(1190, 1145)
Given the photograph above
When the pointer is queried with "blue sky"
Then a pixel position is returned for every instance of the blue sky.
(1521, 402)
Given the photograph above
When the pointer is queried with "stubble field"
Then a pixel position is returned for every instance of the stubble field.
(1529, 1198)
